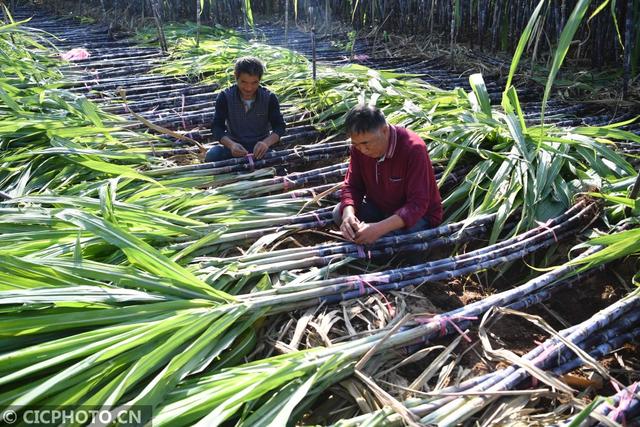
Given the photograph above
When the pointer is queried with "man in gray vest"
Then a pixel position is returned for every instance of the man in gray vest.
(247, 117)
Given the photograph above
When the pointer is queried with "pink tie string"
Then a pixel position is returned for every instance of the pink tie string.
(442, 321)
(625, 401)
(545, 226)
(287, 183)
(250, 159)
(361, 281)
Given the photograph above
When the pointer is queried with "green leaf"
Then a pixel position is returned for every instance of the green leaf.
(112, 169)
(141, 253)
(480, 90)
(522, 43)
(564, 43)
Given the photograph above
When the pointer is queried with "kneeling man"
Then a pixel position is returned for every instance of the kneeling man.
(390, 184)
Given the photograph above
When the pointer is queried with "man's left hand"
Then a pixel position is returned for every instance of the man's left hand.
(368, 233)
(260, 149)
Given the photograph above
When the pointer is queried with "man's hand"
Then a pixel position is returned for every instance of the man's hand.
(237, 150)
(368, 233)
(260, 149)
(350, 225)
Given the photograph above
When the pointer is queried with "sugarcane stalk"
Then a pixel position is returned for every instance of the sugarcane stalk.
(461, 409)
(620, 405)
(452, 33)
(286, 22)
(346, 247)
(599, 344)
(298, 261)
(198, 13)
(238, 164)
(355, 289)
(567, 362)
(313, 50)
(313, 359)
(333, 290)
(423, 406)
(327, 254)
(628, 48)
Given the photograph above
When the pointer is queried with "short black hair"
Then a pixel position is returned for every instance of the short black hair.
(363, 118)
(249, 65)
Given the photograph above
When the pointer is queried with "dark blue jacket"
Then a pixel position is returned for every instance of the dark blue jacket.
(247, 127)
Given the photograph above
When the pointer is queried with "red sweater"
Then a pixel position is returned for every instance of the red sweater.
(402, 183)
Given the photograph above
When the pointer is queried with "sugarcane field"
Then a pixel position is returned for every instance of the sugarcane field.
(320, 213)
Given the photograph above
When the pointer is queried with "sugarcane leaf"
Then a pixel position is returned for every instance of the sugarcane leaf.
(607, 132)
(265, 241)
(277, 411)
(212, 359)
(155, 358)
(30, 325)
(90, 111)
(522, 43)
(120, 275)
(141, 253)
(569, 30)
(480, 90)
(88, 294)
(200, 243)
(598, 10)
(506, 209)
(10, 102)
(77, 250)
(112, 169)
(615, 22)
(585, 412)
(276, 377)
(242, 346)
(115, 346)
(21, 184)
(548, 209)
(188, 360)
(625, 201)
(248, 12)
(617, 245)
(511, 104)
(92, 379)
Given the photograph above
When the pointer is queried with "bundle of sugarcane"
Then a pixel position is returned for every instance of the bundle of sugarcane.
(323, 175)
(200, 321)
(333, 290)
(329, 150)
(53, 140)
(37, 226)
(453, 405)
(328, 253)
(542, 292)
(289, 378)
(295, 135)
(586, 336)
(623, 407)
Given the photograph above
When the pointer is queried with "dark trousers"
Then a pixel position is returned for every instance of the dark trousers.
(220, 152)
(369, 213)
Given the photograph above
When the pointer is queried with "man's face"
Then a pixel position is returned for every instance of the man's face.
(372, 144)
(248, 85)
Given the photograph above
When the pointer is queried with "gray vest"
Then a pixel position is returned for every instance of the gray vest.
(248, 127)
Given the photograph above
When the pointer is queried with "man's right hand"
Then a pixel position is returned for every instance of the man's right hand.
(237, 150)
(350, 223)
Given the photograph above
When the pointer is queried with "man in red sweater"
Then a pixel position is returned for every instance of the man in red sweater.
(390, 184)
